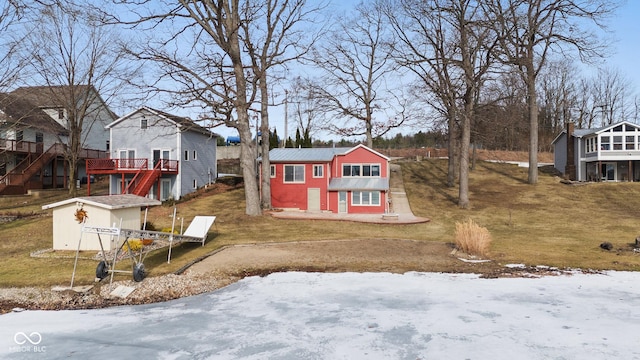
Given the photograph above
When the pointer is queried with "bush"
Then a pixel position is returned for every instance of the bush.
(168, 230)
(472, 238)
(149, 226)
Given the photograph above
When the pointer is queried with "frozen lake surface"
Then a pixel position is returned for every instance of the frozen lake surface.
(352, 316)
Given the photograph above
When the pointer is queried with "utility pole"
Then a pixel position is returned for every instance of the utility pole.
(286, 116)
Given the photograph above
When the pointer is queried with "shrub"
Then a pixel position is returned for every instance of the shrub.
(149, 226)
(168, 230)
(135, 244)
(472, 238)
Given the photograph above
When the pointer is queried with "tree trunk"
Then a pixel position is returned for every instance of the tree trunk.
(71, 163)
(73, 150)
(266, 137)
(474, 156)
(248, 165)
(451, 148)
(463, 191)
(533, 126)
(247, 147)
(369, 135)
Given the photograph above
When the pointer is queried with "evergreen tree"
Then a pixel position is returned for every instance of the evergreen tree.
(273, 139)
(298, 138)
(288, 143)
(306, 142)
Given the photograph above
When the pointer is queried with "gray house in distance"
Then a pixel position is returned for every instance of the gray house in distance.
(34, 133)
(158, 155)
(609, 153)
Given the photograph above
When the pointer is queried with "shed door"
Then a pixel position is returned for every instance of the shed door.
(313, 199)
(342, 202)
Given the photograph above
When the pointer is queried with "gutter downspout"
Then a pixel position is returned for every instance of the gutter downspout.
(178, 191)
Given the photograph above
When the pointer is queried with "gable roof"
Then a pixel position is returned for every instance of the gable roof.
(305, 154)
(20, 111)
(109, 202)
(606, 128)
(580, 133)
(313, 154)
(53, 97)
(366, 148)
(183, 123)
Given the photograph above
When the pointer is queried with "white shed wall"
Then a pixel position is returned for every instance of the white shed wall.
(67, 231)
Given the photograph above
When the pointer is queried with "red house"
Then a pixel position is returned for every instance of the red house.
(340, 180)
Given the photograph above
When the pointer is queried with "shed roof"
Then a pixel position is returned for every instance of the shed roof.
(109, 202)
(364, 183)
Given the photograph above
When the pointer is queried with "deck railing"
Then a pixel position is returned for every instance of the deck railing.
(21, 146)
(96, 166)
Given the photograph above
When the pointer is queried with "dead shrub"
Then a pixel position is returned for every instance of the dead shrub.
(472, 238)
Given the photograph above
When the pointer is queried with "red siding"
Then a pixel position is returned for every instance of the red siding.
(294, 195)
(357, 209)
(360, 156)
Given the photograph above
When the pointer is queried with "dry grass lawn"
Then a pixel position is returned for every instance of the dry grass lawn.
(547, 224)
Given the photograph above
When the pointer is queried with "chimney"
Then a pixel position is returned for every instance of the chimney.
(570, 167)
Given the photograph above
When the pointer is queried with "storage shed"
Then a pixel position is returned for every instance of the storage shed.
(104, 211)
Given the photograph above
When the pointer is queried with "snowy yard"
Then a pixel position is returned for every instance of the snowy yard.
(353, 316)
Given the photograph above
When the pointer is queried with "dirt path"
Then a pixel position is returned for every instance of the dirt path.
(396, 256)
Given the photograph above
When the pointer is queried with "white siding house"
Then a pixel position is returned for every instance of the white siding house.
(182, 153)
(609, 153)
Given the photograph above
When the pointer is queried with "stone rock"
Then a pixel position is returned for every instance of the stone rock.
(606, 245)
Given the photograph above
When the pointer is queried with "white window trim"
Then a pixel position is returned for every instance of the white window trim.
(195, 183)
(144, 123)
(622, 146)
(186, 155)
(272, 171)
(195, 155)
(361, 165)
(284, 174)
(321, 167)
(370, 198)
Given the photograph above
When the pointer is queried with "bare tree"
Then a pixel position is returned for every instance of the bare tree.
(305, 107)
(558, 100)
(11, 15)
(424, 50)
(357, 68)
(531, 29)
(196, 50)
(219, 53)
(272, 38)
(448, 46)
(79, 64)
(612, 96)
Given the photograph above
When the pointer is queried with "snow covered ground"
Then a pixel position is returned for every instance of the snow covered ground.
(353, 316)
